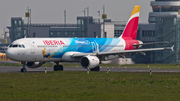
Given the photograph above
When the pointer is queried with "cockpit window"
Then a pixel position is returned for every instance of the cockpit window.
(23, 46)
(20, 46)
(15, 45)
(10, 45)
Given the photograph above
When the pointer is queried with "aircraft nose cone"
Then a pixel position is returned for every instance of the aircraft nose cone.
(9, 54)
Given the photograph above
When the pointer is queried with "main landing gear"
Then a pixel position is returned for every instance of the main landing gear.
(96, 69)
(23, 69)
(58, 67)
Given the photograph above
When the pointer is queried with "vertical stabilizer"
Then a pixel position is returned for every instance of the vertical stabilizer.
(130, 30)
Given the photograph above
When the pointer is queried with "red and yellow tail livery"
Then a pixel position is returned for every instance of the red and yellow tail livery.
(130, 30)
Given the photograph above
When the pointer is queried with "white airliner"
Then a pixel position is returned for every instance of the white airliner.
(88, 51)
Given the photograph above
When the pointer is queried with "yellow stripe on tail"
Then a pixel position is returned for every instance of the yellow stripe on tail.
(135, 10)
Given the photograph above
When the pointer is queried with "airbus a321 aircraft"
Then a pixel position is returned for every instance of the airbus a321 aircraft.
(34, 52)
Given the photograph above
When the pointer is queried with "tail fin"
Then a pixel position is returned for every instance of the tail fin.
(130, 30)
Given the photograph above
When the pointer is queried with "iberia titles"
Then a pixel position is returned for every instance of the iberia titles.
(53, 42)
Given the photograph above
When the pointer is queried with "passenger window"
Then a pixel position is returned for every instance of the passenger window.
(23, 46)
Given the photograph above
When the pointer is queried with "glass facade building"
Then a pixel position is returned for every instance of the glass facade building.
(82, 25)
(17, 28)
(167, 28)
(163, 8)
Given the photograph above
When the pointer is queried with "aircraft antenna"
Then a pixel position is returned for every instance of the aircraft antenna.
(28, 15)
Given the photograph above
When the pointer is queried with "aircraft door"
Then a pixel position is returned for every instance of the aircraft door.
(31, 43)
(94, 48)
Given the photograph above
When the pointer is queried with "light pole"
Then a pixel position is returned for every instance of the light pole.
(28, 15)
(104, 16)
(84, 12)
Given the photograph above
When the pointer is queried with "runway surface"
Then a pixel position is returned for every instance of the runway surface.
(16, 69)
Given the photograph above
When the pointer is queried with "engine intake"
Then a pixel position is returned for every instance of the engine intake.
(34, 64)
(89, 62)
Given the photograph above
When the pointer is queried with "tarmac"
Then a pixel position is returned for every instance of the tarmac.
(16, 69)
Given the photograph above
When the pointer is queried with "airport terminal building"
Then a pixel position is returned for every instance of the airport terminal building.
(166, 17)
(85, 27)
(164, 25)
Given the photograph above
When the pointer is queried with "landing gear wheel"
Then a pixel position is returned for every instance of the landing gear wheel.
(23, 70)
(58, 68)
(55, 68)
(24, 67)
(96, 69)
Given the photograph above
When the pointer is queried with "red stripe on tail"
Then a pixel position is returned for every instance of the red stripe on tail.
(130, 32)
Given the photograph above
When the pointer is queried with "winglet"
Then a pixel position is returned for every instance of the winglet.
(172, 48)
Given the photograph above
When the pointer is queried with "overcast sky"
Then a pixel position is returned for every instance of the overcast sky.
(52, 11)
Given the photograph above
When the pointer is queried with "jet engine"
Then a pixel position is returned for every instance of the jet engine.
(89, 62)
(34, 64)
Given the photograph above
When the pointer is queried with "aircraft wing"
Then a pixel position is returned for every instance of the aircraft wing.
(120, 52)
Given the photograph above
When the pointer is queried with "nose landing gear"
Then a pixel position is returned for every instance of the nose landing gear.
(23, 69)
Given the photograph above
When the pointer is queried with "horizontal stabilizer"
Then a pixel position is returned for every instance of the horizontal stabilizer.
(150, 43)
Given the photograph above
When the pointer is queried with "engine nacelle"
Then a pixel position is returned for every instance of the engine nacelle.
(34, 64)
(89, 62)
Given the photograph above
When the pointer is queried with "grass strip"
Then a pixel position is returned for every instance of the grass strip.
(96, 86)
